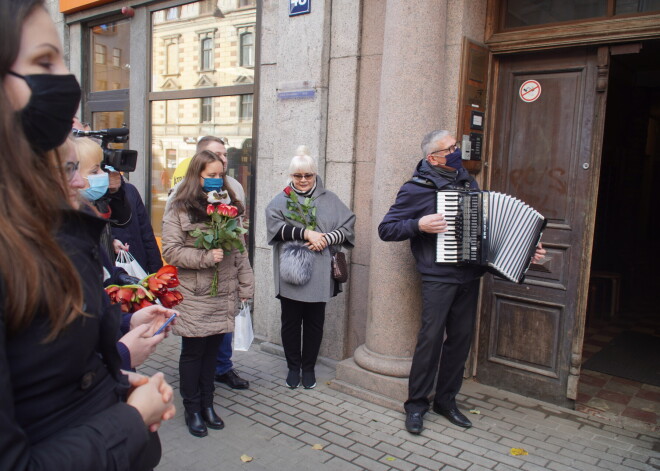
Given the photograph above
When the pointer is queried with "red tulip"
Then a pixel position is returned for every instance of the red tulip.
(142, 304)
(169, 275)
(157, 286)
(233, 211)
(210, 209)
(171, 298)
(287, 190)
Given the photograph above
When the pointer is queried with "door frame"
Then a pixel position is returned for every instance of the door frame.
(597, 32)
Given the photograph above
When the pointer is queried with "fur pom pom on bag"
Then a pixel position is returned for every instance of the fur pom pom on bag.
(296, 263)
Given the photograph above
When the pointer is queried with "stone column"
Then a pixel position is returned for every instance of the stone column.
(410, 104)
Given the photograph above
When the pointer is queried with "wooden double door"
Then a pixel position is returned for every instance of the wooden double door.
(546, 123)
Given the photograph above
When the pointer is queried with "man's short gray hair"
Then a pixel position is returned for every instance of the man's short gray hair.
(431, 138)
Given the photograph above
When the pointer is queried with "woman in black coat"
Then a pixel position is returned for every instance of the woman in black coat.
(61, 392)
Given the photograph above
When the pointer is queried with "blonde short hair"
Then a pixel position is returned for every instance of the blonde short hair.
(89, 152)
(302, 162)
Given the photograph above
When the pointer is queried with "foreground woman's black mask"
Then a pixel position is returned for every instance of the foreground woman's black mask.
(47, 118)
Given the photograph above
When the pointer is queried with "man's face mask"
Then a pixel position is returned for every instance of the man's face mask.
(455, 159)
(47, 118)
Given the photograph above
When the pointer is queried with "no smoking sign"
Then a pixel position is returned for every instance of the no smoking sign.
(530, 91)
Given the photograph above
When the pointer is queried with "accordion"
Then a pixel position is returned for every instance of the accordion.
(490, 229)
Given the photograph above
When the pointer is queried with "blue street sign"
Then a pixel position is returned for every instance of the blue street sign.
(298, 7)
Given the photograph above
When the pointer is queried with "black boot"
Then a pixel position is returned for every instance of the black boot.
(195, 424)
(211, 418)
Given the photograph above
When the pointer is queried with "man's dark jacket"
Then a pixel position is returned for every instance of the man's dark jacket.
(417, 198)
(138, 233)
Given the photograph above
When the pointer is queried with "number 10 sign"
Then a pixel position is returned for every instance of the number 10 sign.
(298, 7)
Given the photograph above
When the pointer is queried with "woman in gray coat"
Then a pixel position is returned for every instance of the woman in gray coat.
(305, 224)
(204, 318)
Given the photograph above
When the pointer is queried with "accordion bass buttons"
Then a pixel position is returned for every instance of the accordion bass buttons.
(585, 165)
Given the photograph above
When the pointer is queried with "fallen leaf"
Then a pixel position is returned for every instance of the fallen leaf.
(317, 446)
(390, 458)
(518, 452)
(246, 458)
(475, 411)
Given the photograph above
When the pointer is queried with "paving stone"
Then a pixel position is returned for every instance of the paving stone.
(370, 464)
(341, 452)
(338, 440)
(369, 451)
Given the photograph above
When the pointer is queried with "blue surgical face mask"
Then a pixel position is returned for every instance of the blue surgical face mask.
(213, 184)
(98, 186)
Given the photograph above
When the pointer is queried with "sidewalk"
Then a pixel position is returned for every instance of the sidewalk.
(278, 427)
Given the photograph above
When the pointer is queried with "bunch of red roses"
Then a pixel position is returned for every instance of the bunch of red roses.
(223, 232)
(151, 290)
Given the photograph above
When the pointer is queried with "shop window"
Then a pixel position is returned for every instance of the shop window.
(210, 95)
(112, 37)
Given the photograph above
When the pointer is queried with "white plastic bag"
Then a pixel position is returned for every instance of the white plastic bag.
(243, 334)
(126, 261)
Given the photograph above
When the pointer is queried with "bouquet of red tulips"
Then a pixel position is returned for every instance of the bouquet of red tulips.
(155, 288)
(224, 232)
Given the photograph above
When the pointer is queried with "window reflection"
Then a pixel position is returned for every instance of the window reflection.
(110, 72)
(222, 33)
(176, 127)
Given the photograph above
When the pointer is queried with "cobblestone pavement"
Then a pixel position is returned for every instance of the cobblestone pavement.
(278, 428)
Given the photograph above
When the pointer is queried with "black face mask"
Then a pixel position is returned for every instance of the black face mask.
(47, 118)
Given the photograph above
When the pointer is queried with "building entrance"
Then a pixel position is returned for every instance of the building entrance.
(620, 378)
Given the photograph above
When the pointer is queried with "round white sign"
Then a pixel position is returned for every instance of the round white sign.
(530, 91)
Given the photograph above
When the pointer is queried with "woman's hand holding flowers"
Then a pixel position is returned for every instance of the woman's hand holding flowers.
(218, 255)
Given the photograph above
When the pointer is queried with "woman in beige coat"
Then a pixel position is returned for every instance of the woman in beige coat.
(204, 319)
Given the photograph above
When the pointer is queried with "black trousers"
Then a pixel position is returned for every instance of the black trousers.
(302, 318)
(451, 309)
(196, 371)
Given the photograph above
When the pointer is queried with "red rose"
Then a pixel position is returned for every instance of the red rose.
(223, 210)
(210, 209)
(287, 190)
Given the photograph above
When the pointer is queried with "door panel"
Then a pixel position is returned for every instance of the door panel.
(540, 148)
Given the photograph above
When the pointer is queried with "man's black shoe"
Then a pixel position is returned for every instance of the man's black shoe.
(195, 423)
(453, 415)
(414, 422)
(231, 379)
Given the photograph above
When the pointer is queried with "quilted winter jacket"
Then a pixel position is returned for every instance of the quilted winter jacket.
(203, 315)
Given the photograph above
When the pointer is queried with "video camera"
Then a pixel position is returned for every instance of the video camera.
(122, 160)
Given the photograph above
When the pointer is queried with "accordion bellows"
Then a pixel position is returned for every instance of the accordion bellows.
(490, 229)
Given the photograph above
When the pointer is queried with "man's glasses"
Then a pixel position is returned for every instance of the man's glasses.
(300, 176)
(449, 149)
(70, 169)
